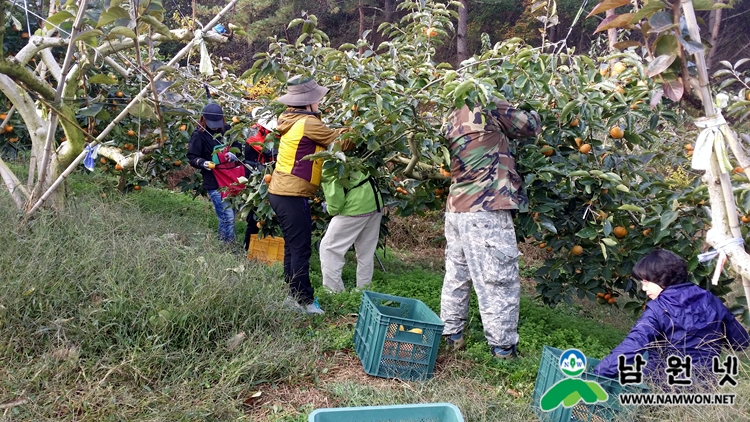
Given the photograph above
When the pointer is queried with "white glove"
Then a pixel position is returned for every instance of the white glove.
(231, 157)
(208, 165)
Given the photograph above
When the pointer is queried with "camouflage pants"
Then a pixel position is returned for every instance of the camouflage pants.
(481, 251)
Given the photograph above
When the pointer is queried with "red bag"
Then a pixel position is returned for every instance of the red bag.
(256, 140)
(227, 173)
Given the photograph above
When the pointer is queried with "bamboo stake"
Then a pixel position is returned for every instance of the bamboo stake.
(718, 234)
(137, 99)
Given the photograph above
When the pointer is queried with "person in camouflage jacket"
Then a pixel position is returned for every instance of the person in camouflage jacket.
(481, 249)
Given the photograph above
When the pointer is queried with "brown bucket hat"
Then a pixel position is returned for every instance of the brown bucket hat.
(302, 91)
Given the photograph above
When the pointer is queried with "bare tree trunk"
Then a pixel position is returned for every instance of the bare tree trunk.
(714, 26)
(389, 8)
(361, 25)
(612, 32)
(462, 30)
(684, 74)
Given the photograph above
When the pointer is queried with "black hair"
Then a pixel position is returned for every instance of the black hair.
(661, 267)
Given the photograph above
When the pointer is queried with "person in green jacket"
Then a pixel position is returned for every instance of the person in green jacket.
(356, 206)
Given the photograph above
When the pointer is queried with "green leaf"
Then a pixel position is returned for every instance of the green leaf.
(567, 109)
(547, 224)
(102, 79)
(111, 15)
(623, 45)
(622, 188)
(588, 233)
(648, 10)
(91, 111)
(661, 21)
(156, 25)
(604, 249)
(462, 89)
(667, 218)
(57, 19)
(630, 207)
(88, 34)
(143, 111)
(609, 241)
(666, 45)
(709, 5)
(295, 22)
(660, 64)
(122, 31)
(692, 47)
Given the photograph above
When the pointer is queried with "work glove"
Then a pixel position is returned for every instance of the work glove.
(208, 165)
(325, 207)
(231, 157)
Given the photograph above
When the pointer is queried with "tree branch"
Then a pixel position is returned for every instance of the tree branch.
(181, 34)
(39, 43)
(15, 187)
(125, 111)
(52, 66)
(428, 170)
(11, 68)
(52, 126)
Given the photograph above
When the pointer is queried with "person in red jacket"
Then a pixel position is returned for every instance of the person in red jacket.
(208, 135)
(681, 320)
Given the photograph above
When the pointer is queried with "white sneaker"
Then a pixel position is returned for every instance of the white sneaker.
(314, 308)
(292, 304)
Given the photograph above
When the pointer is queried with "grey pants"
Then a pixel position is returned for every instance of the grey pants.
(481, 251)
(342, 233)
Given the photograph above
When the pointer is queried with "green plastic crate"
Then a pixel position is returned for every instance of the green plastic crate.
(549, 373)
(388, 340)
(431, 412)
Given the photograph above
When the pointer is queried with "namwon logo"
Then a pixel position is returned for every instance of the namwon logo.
(570, 390)
(572, 362)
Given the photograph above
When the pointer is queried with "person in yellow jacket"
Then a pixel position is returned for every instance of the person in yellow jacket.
(296, 180)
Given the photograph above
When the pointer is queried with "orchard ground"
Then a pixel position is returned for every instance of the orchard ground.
(124, 307)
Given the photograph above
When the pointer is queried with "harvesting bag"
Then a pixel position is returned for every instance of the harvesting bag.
(227, 172)
(256, 152)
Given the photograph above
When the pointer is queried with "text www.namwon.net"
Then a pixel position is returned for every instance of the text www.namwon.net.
(676, 399)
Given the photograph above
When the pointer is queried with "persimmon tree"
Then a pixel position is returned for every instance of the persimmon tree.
(604, 189)
(671, 37)
(60, 81)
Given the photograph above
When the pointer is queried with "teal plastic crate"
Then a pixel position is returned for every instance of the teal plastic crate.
(397, 337)
(431, 412)
(549, 373)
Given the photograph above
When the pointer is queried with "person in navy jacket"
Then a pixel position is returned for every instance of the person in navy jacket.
(682, 319)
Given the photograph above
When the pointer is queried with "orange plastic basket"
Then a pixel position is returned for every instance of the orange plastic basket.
(269, 249)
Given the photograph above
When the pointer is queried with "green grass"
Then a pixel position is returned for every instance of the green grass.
(124, 307)
(124, 312)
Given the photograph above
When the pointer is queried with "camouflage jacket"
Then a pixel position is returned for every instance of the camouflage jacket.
(483, 171)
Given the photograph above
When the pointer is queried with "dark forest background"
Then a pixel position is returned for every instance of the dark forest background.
(344, 21)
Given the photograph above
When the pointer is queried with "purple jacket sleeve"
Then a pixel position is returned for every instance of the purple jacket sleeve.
(643, 332)
(737, 335)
